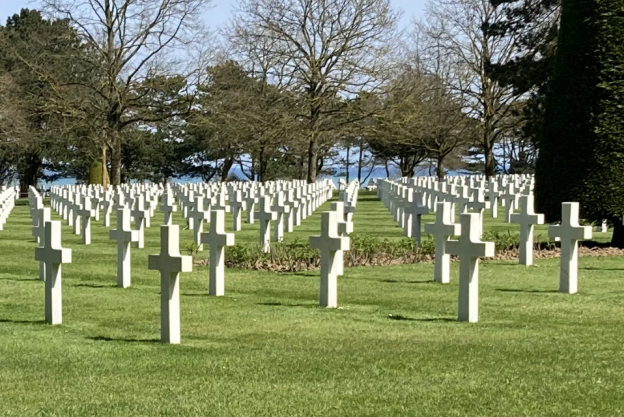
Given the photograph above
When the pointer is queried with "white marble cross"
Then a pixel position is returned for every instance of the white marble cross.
(95, 204)
(53, 255)
(527, 219)
(76, 207)
(603, 227)
(139, 214)
(219, 202)
(569, 232)
(510, 200)
(345, 228)
(123, 235)
(36, 204)
(442, 230)
(170, 263)
(238, 205)
(469, 248)
(293, 203)
(250, 202)
(413, 214)
(265, 215)
(43, 215)
(217, 240)
(329, 243)
(107, 208)
(300, 207)
(69, 208)
(478, 204)
(279, 208)
(463, 198)
(200, 215)
(493, 196)
(168, 206)
(85, 213)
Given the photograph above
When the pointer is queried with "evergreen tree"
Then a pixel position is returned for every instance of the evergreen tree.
(534, 25)
(581, 147)
(29, 43)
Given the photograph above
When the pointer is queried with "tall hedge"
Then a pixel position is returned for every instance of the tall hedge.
(581, 146)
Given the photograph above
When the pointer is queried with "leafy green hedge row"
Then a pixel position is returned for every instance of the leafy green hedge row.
(365, 251)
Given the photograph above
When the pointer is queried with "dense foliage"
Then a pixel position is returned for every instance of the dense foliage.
(582, 143)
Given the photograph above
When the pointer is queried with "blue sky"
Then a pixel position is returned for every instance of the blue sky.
(221, 10)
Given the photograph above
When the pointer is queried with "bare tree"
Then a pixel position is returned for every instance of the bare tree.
(321, 49)
(129, 42)
(454, 35)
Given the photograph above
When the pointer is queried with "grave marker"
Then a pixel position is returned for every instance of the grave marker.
(329, 243)
(123, 235)
(442, 230)
(469, 248)
(217, 240)
(170, 263)
(569, 232)
(53, 255)
(527, 218)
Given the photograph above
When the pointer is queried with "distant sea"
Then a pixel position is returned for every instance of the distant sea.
(378, 172)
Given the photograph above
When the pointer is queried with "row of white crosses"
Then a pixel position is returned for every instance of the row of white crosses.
(400, 199)
(8, 196)
(348, 195)
(282, 204)
(333, 241)
(469, 248)
(78, 204)
(409, 199)
(169, 262)
(468, 192)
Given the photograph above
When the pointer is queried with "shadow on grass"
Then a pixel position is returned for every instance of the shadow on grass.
(119, 339)
(94, 285)
(593, 268)
(22, 321)
(21, 280)
(304, 273)
(404, 318)
(527, 291)
(288, 305)
(194, 294)
(394, 281)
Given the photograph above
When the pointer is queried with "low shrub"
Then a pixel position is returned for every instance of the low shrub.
(299, 256)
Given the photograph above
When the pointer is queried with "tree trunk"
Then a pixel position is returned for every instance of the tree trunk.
(347, 162)
(312, 159)
(225, 169)
(360, 159)
(440, 168)
(617, 241)
(302, 170)
(116, 161)
(490, 162)
(105, 178)
(320, 163)
(29, 172)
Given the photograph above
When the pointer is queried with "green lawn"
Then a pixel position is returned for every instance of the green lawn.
(266, 349)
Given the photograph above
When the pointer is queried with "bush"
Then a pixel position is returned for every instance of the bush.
(299, 256)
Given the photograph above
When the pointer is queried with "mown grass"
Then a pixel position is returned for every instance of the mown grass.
(266, 349)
